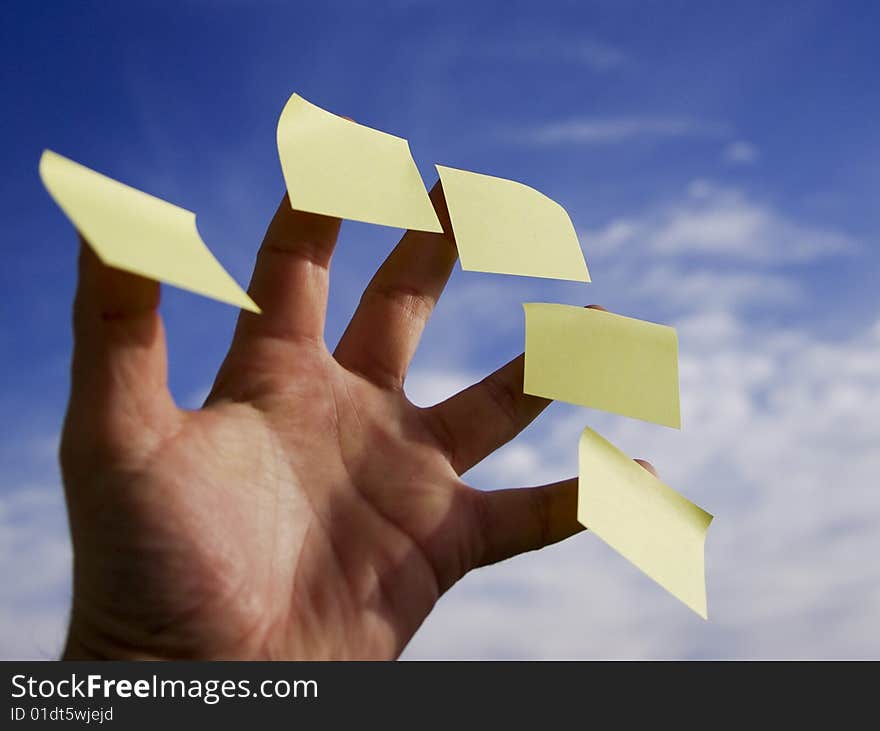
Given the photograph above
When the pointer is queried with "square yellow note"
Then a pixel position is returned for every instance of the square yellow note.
(339, 168)
(603, 361)
(643, 519)
(134, 231)
(506, 227)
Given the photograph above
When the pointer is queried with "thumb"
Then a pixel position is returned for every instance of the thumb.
(522, 519)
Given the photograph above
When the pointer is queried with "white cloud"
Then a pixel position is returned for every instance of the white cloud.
(608, 130)
(35, 566)
(429, 387)
(719, 222)
(741, 152)
(679, 287)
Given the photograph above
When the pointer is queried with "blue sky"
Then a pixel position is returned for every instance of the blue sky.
(721, 162)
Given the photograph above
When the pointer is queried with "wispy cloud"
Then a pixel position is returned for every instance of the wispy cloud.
(741, 152)
(35, 564)
(723, 222)
(610, 130)
(595, 54)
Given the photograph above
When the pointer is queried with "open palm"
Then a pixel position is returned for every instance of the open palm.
(308, 510)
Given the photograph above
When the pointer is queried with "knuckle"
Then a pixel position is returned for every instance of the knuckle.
(310, 250)
(505, 396)
(482, 521)
(413, 302)
(540, 507)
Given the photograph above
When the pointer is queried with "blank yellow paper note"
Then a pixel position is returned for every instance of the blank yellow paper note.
(336, 167)
(643, 519)
(602, 360)
(134, 231)
(506, 227)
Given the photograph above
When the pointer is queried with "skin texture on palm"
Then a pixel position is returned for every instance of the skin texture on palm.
(308, 510)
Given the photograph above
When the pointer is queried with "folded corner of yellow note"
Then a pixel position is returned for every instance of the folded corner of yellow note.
(651, 525)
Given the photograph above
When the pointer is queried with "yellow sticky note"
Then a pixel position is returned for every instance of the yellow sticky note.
(339, 168)
(643, 519)
(136, 232)
(506, 227)
(602, 360)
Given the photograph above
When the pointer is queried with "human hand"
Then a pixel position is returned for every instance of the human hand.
(308, 510)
